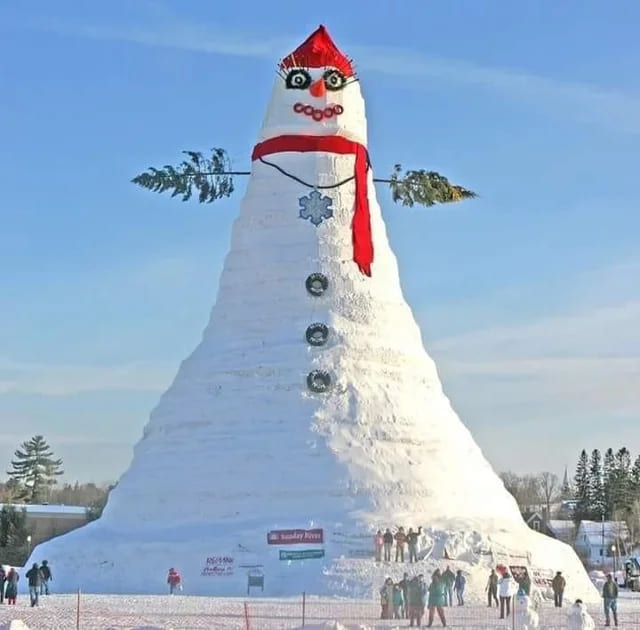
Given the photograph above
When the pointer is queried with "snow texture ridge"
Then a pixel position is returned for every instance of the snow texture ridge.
(239, 446)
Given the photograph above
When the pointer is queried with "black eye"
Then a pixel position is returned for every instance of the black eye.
(334, 80)
(298, 79)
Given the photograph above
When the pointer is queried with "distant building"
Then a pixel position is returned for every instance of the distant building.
(535, 520)
(598, 542)
(566, 509)
(44, 522)
(564, 530)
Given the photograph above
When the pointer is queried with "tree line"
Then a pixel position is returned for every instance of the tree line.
(607, 486)
(33, 478)
(604, 487)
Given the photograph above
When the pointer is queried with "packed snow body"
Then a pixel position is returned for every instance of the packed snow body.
(239, 445)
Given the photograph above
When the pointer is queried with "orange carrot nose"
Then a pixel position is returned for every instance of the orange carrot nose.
(318, 89)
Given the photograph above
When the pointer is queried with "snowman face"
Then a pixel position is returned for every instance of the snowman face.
(315, 101)
(316, 93)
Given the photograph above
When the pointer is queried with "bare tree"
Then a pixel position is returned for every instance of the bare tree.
(549, 488)
(524, 488)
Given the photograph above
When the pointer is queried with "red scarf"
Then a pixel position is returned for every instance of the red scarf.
(361, 224)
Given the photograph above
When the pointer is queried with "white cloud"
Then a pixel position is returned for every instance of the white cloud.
(583, 364)
(610, 108)
(65, 380)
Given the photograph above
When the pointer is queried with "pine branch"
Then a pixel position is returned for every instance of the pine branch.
(209, 176)
(425, 188)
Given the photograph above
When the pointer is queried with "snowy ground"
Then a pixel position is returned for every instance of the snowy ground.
(120, 612)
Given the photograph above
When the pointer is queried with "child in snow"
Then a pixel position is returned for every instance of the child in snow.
(579, 618)
(174, 581)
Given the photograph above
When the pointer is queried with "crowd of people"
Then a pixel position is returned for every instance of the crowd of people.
(38, 578)
(408, 598)
(384, 542)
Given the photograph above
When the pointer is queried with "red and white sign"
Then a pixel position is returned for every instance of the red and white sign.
(295, 536)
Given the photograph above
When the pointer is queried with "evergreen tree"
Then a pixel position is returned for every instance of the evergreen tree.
(581, 487)
(635, 478)
(608, 482)
(622, 484)
(35, 468)
(596, 487)
(13, 527)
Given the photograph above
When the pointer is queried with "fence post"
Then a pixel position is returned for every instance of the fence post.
(246, 616)
(304, 606)
(78, 611)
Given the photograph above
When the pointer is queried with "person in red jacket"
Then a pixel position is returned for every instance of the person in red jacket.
(174, 581)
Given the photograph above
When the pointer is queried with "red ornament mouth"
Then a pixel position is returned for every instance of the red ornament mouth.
(318, 114)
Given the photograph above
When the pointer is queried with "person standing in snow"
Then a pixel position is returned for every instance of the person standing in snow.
(558, 584)
(412, 543)
(436, 601)
(33, 575)
(506, 589)
(416, 597)
(388, 544)
(386, 599)
(458, 587)
(579, 618)
(398, 602)
(449, 579)
(492, 589)
(378, 544)
(610, 596)
(11, 592)
(46, 576)
(174, 581)
(3, 579)
(401, 541)
(525, 583)
(404, 585)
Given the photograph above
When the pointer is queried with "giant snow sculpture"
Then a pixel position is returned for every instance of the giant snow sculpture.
(309, 415)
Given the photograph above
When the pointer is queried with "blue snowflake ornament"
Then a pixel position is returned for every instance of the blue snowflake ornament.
(315, 207)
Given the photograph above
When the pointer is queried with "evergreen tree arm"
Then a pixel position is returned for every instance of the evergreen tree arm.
(209, 176)
(424, 188)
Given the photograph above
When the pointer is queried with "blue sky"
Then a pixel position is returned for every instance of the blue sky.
(528, 297)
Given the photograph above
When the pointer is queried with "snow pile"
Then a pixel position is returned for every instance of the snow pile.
(239, 446)
(16, 624)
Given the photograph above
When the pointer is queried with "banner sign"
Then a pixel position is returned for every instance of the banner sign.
(295, 536)
(517, 571)
(542, 577)
(304, 554)
(218, 566)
